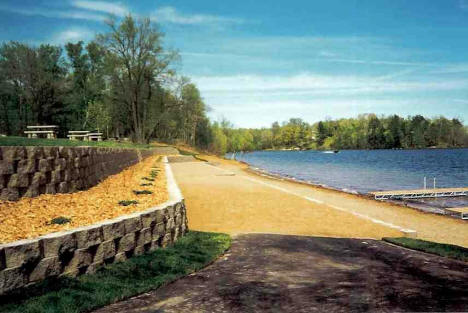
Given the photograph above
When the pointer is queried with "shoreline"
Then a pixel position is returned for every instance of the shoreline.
(421, 207)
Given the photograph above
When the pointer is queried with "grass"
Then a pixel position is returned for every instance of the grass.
(127, 202)
(22, 141)
(194, 154)
(445, 250)
(60, 220)
(142, 192)
(120, 280)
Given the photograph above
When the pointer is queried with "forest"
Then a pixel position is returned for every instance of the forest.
(124, 84)
(367, 131)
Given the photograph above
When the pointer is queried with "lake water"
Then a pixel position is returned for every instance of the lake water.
(363, 171)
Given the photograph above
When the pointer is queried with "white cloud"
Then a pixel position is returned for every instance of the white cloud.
(54, 13)
(320, 84)
(170, 14)
(451, 69)
(117, 9)
(72, 35)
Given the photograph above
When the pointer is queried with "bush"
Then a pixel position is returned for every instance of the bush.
(142, 192)
(60, 220)
(127, 202)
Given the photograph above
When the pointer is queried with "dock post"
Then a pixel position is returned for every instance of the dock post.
(434, 183)
(424, 182)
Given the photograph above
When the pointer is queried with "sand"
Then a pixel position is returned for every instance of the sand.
(223, 197)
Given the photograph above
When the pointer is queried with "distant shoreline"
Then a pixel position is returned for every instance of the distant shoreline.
(323, 150)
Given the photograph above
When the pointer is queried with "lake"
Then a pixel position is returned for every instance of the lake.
(363, 171)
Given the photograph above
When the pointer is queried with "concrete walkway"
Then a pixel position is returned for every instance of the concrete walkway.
(223, 197)
(277, 273)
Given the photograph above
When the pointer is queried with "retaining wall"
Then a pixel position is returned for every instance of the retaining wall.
(31, 171)
(85, 249)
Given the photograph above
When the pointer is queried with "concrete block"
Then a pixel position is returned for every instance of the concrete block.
(170, 224)
(19, 253)
(144, 237)
(50, 189)
(63, 187)
(161, 216)
(55, 177)
(33, 191)
(26, 166)
(166, 240)
(158, 231)
(58, 244)
(170, 211)
(126, 243)
(112, 230)
(34, 153)
(88, 236)
(120, 257)
(9, 194)
(18, 181)
(39, 178)
(133, 224)
(60, 164)
(44, 166)
(148, 219)
(139, 250)
(12, 278)
(93, 267)
(105, 251)
(47, 267)
(81, 258)
(6, 167)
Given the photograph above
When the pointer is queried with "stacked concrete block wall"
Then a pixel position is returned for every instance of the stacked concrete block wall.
(31, 171)
(85, 249)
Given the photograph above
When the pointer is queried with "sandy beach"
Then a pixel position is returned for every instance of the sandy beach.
(223, 196)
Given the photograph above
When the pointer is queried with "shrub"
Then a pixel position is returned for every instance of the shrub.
(142, 192)
(60, 220)
(127, 202)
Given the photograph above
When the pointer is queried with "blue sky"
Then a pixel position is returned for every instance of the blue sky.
(256, 62)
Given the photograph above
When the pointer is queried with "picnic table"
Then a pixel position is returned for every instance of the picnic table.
(95, 136)
(75, 134)
(85, 135)
(48, 130)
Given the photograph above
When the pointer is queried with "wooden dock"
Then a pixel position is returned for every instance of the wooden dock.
(458, 212)
(420, 193)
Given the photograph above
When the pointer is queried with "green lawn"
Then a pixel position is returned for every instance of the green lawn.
(23, 141)
(445, 250)
(121, 280)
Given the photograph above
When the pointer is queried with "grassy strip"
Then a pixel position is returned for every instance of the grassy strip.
(195, 155)
(445, 250)
(22, 141)
(120, 280)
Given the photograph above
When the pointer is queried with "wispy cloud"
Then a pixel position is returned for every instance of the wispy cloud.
(451, 69)
(117, 9)
(171, 15)
(72, 35)
(320, 84)
(55, 13)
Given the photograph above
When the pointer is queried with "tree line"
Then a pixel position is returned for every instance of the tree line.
(122, 83)
(367, 131)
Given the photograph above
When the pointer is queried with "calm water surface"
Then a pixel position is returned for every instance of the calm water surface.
(363, 171)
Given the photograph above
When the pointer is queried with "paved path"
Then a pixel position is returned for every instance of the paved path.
(277, 273)
(283, 273)
(225, 198)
